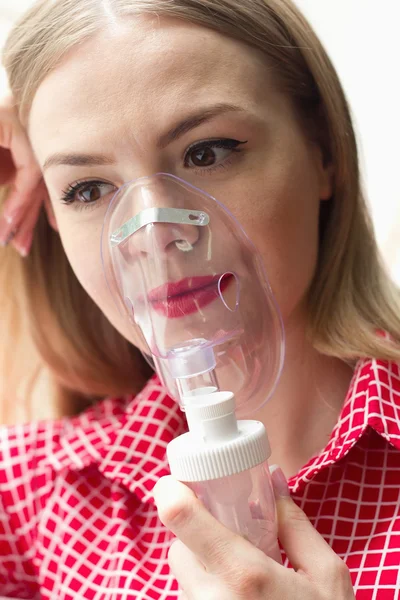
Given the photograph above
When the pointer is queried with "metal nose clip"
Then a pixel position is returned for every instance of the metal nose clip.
(158, 215)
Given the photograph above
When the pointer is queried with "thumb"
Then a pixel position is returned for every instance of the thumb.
(305, 548)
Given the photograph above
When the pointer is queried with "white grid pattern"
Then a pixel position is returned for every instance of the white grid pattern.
(77, 518)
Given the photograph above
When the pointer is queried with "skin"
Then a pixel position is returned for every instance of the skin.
(121, 103)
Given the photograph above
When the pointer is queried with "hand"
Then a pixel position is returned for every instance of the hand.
(20, 171)
(212, 563)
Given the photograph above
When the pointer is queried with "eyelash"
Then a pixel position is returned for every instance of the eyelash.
(225, 143)
(68, 196)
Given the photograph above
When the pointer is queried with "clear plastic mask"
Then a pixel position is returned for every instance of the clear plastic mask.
(181, 268)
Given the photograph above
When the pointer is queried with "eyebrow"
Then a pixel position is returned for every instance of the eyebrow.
(191, 122)
(77, 160)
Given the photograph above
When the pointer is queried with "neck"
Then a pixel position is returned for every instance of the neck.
(306, 404)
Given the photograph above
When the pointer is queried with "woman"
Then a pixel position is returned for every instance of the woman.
(240, 100)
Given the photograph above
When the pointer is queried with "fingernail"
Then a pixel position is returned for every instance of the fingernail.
(22, 251)
(24, 247)
(12, 213)
(279, 481)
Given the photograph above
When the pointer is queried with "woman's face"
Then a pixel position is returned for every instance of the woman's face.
(164, 96)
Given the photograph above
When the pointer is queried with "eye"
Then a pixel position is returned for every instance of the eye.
(211, 152)
(93, 192)
(204, 157)
(87, 192)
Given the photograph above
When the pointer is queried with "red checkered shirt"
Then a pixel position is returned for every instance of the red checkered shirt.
(77, 518)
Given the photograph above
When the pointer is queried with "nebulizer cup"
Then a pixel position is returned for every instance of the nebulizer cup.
(183, 271)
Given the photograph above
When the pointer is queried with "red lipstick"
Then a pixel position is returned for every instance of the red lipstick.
(187, 296)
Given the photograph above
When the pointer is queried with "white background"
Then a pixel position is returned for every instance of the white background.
(361, 37)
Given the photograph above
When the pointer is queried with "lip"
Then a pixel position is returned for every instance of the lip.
(181, 298)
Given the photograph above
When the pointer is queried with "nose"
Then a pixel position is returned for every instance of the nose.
(162, 238)
(159, 217)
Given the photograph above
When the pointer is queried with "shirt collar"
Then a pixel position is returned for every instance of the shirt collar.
(373, 401)
(127, 438)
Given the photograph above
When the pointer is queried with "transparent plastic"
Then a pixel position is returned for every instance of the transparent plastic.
(245, 504)
(183, 271)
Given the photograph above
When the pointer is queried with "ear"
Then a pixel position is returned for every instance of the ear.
(326, 173)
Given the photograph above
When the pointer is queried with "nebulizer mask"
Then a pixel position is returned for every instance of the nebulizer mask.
(183, 271)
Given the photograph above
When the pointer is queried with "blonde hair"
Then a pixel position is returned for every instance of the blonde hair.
(351, 296)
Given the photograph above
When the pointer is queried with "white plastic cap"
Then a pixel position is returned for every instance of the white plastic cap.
(212, 416)
(192, 460)
(217, 445)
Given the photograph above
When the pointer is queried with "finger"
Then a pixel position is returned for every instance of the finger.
(22, 240)
(27, 177)
(25, 183)
(15, 218)
(184, 514)
(187, 569)
(305, 547)
(15, 209)
(14, 137)
(11, 218)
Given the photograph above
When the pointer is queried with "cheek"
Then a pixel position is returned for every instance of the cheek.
(80, 233)
(281, 218)
(82, 246)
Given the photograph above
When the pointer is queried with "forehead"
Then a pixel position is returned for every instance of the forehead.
(142, 73)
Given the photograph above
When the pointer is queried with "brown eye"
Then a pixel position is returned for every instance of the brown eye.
(93, 192)
(211, 152)
(90, 194)
(87, 192)
(202, 157)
